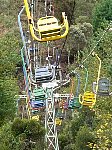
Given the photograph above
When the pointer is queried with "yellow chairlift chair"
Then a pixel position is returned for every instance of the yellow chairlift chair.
(87, 99)
(59, 118)
(58, 121)
(49, 28)
(36, 117)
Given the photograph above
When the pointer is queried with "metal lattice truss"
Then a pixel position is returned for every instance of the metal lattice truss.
(50, 126)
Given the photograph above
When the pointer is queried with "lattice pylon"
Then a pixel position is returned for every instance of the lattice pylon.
(50, 126)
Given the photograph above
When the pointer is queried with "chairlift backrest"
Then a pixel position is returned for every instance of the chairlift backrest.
(47, 23)
(88, 96)
(103, 84)
(43, 69)
(44, 74)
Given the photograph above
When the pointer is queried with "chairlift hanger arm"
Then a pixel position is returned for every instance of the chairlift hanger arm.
(99, 70)
(86, 77)
(27, 9)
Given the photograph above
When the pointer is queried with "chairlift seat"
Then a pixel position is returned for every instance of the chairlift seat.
(35, 111)
(60, 116)
(36, 117)
(37, 104)
(88, 99)
(58, 121)
(32, 49)
(103, 87)
(74, 103)
(39, 94)
(44, 74)
(48, 27)
(43, 69)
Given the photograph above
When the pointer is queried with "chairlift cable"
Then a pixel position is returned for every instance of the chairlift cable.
(97, 42)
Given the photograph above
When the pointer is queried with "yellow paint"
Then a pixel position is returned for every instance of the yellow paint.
(58, 121)
(36, 117)
(51, 24)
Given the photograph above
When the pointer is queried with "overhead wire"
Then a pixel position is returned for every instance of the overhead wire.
(97, 42)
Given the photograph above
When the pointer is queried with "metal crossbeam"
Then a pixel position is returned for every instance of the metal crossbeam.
(63, 95)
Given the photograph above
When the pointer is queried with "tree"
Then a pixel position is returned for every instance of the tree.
(84, 138)
(67, 6)
(8, 79)
(7, 140)
(30, 133)
(102, 14)
(22, 135)
(75, 126)
(77, 39)
(8, 90)
(64, 140)
(9, 54)
(84, 8)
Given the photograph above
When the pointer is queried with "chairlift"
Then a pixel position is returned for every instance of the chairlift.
(37, 104)
(103, 87)
(44, 74)
(74, 102)
(63, 104)
(87, 99)
(49, 28)
(38, 93)
(59, 118)
(58, 121)
(36, 117)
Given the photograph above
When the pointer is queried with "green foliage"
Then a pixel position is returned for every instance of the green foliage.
(10, 7)
(77, 39)
(7, 21)
(30, 133)
(31, 128)
(75, 126)
(102, 13)
(83, 138)
(18, 126)
(82, 19)
(103, 131)
(9, 58)
(83, 8)
(110, 70)
(67, 6)
(8, 90)
(78, 133)
(103, 49)
(63, 141)
(69, 147)
(12, 135)
(8, 84)
(7, 140)
(9, 54)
